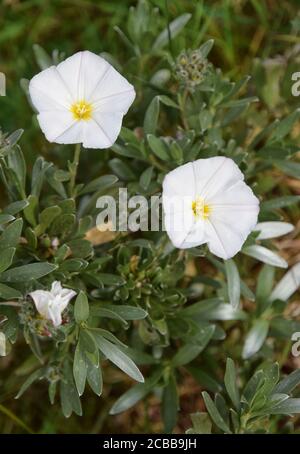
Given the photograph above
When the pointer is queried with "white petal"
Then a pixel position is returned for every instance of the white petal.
(109, 125)
(119, 102)
(55, 124)
(56, 288)
(235, 196)
(55, 315)
(112, 92)
(214, 175)
(196, 236)
(233, 217)
(179, 219)
(223, 241)
(41, 300)
(181, 182)
(95, 136)
(82, 72)
(65, 298)
(48, 91)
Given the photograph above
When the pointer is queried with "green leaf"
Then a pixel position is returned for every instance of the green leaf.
(110, 279)
(170, 404)
(81, 308)
(40, 167)
(135, 394)
(94, 377)
(288, 407)
(158, 147)
(6, 258)
(233, 283)
(289, 167)
(264, 287)
(11, 235)
(151, 116)
(265, 255)
(230, 380)
(287, 285)
(15, 207)
(4, 218)
(41, 56)
(145, 178)
(46, 218)
(206, 47)
(288, 383)
(272, 229)
(189, 352)
(280, 202)
(127, 312)
(79, 369)
(214, 413)
(121, 169)
(212, 309)
(17, 169)
(201, 424)
(284, 126)
(173, 29)
(99, 184)
(255, 338)
(116, 356)
(9, 293)
(27, 272)
(36, 375)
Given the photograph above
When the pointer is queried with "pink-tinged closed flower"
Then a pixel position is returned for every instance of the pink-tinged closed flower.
(81, 100)
(207, 201)
(51, 304)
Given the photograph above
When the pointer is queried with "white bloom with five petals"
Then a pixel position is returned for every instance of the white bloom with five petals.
(81, 100)
(207, 201)
(51, 304)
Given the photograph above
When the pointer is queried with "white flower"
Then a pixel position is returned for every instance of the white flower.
(81, 100)
(207, 201)
(51, 304)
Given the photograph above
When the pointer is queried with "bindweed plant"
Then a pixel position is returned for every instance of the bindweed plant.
(164, 305)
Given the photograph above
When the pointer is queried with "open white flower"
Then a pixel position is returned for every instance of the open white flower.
(207, 201)
(51, 304)
(81, 100)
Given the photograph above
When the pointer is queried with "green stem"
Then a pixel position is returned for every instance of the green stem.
(74, 167)
(15, 419)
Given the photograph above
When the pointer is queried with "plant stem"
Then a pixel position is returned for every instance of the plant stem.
(74, 167)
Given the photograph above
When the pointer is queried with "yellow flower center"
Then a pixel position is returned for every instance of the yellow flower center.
(200, 208)
(82, 110)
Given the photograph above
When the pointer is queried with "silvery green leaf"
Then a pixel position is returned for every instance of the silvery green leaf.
(273, 229)
(230, 380)
(233, 283)
(265, 255)
(255, 338)
(287, 384)
(288, 284)
(173, 29)
(116, 356)
(214, 413)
